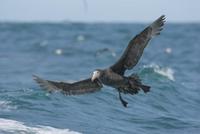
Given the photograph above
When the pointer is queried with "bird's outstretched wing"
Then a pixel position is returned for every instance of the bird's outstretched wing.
(136, 46)
(76, 88)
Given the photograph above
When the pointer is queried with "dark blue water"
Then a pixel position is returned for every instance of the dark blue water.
(68, 52)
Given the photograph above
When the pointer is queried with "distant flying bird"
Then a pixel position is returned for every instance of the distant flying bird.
(85, 5)
(114, 75)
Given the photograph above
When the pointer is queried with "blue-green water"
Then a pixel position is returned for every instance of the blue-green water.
(170, 65)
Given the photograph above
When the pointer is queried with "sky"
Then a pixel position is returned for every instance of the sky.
(99, 10)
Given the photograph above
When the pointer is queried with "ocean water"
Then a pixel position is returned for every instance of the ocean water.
(70, 52)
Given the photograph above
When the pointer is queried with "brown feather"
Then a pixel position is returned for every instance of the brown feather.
(135, 48)
(77, 88)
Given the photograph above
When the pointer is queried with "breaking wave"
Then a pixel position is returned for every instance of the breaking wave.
(12, 126)
(6, 106)
(164, 71)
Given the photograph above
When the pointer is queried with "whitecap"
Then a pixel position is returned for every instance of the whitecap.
(105, 50)
(43, 43)
(168, 50)
(58, 51)
(6, 106)
(13, 126)
(164, 71)
(80, 38)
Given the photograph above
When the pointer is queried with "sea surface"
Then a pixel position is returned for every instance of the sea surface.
(72, 51)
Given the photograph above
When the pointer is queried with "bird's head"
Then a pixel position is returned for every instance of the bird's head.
(96, 75)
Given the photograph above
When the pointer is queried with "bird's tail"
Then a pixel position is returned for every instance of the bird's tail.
(136, 83)
(145, 88)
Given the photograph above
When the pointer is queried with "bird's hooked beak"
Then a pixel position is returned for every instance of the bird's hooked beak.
(95, 75)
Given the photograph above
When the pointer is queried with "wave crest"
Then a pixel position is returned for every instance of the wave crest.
(13, 126)
(164, 71)
(6, 106)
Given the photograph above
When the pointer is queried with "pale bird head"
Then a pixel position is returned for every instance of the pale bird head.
(95, 75)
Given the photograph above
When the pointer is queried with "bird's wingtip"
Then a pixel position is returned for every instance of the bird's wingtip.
(163, 17)
(157, 26)
(34, 76)
(45, 84)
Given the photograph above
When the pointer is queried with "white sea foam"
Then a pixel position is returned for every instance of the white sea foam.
(105, 50)
(43, 43)
(6, 106)
(167, 72)
(58, 51)
(80, 38)
(13, 126)
(168, 50)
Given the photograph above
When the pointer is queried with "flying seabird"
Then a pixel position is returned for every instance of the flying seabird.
(113, 76)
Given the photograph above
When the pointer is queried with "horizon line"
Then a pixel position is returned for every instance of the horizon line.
(91, 22)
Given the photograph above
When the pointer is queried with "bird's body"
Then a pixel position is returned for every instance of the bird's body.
(114, 75)
(119, 82)
(109, 78)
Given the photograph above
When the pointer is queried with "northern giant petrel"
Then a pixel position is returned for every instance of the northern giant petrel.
(114, 75)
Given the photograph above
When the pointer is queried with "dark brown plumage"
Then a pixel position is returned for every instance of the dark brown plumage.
(136, 46)
(114, 75)
(76, 88)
